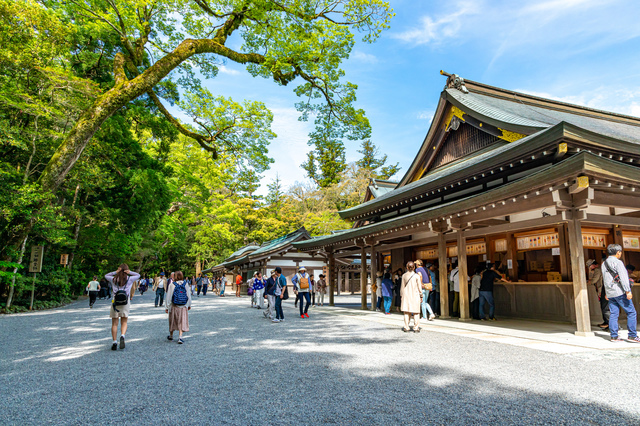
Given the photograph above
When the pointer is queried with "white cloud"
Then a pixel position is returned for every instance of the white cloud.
(634, 109)
(226, 70)
(289, 149)
(364, 57)
(425, 115)
(435, 30)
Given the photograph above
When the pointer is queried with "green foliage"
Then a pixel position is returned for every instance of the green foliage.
(373, 164)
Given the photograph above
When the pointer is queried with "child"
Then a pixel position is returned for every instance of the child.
(178, 304)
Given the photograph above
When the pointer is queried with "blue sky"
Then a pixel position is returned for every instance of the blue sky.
(580, 51)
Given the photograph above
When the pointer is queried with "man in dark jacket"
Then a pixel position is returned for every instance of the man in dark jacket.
(269, 293)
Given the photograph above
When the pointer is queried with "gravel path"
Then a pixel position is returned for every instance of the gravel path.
(56, 367)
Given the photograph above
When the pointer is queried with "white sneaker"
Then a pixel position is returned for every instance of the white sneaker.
(275, 320)
(432, 317)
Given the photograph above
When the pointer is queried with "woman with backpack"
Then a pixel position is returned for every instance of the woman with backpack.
(121, 282)
(178, 305)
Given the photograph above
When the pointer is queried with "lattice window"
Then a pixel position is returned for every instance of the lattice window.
(462, 142)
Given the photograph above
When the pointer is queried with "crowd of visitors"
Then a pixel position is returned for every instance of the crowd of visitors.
(414, 291)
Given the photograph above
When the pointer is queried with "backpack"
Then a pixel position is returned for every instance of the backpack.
(303, 282)
(180, 297)
(120, 297)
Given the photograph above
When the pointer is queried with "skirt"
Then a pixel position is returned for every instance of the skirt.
(123, 311)
(178, 319)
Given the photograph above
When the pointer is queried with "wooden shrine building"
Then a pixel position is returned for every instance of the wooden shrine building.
(537, 184)
(266, 257)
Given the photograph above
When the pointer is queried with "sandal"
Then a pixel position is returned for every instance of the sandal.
(406, 330)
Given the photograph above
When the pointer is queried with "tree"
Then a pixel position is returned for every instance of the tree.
(283, 40)
(376, 166)
(326, 162)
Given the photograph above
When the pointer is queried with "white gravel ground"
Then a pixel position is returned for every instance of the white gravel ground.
(56, 367)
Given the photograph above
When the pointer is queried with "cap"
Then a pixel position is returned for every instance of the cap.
(428, 265)
(591, 262)
(302, 268)
(161, 273)
(273, 271)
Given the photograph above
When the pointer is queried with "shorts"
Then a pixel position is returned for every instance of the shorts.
(124, 311)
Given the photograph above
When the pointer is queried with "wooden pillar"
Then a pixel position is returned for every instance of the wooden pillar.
(363, 278)
(331, 277)
(339, 281)
(444, 281)
(463, 275)
(512, 253)
(580, 292)
(564, 253)
(374, 269)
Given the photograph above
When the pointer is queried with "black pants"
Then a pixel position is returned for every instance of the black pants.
(92, 297)
(604, 306)
(475, 309)
(159, 296)
(304, 295)
(313, 298)
(204, 289)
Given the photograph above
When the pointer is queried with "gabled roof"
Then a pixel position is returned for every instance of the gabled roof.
(280, 244)
(378, 187)
(584, 162)
(517, 114)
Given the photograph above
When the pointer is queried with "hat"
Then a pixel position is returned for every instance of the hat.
(428, 265)
(302, 268)
(161, 273)
(590, 262)
(255, 273)
(273, 271)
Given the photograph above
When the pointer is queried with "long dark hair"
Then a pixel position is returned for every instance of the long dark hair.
(121, 277)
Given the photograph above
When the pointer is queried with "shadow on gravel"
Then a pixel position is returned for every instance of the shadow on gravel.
(327, 369)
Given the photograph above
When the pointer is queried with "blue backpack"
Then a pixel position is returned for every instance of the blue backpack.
(180, 297)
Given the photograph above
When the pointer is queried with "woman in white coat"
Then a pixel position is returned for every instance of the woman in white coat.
(411, 292)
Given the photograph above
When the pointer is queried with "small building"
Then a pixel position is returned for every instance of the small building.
(537, 185)
(271, 254)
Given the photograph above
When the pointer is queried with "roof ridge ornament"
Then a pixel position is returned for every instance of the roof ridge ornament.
(454, 81)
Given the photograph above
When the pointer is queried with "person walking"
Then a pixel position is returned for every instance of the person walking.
(159, 287)
(223, 285)
(238, 284)
(378, 291)
(411, 293)
(205, 284)
(397, 297)
(270, 294)
(121, 283)
(258, 290)
(302, 284)
(280, 293)
(617, 289)
(489, 277)
(434, 295)
(313, 290)
(595, 279)
(387, 292)
(426, 287)
(476, 281)
(196, 287)
(178, 306)
(250, 290)
(93, 288)
(321, 285)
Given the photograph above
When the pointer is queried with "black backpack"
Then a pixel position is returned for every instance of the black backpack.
(120, 298)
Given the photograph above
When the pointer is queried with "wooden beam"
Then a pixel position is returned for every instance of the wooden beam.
(444, 281)
(580, 292)
(580, 184)
(542, 222)
(363, 279)
(611, 199)
(462, 277)
(612, 220)
(409, 243)
(498, 209)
